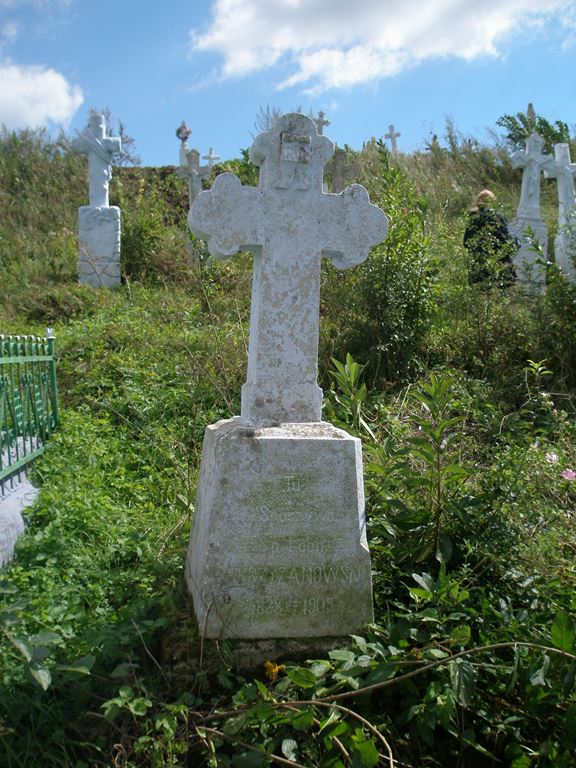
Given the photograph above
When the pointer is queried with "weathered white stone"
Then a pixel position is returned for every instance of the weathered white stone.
(99, 246)
(278, 546)
(98, 223)
(282, 551)
(528, 218)
(565, 241)
(289, 223)
(392, 135)
(100, 150)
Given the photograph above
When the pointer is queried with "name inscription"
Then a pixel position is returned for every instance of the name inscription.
(296, 575)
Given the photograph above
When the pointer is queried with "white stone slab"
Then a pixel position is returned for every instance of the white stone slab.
(99, 246)
(279, 543)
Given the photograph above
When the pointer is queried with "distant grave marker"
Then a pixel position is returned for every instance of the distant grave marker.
(533, 162)
(189, 167)
(340, 171)
(392, 135)
(98, 222)
(320, 122)
(211, 157)
(278, 548)
(565, 241)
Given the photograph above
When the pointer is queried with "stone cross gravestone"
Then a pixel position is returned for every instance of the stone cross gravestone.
(565, 241)
(98, 222)
(528, 218)
(191, 170)
(278, 547)
(392, 135)
(340, 171)
(211, 157)
(320, 122)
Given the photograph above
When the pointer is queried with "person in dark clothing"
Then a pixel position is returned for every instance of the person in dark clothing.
(490, 245)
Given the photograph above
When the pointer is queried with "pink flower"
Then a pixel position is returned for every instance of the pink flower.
(569, 474)
(552, 457)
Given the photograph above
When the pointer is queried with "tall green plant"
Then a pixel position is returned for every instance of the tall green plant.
(388, 298)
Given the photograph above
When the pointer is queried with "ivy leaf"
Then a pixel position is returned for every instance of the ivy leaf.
(563, 632)
(538, 677)
(365, 755)
(302, 678)
(303, 719)
(22, 646)
(41, 676)
(234, 725)
(460, 635)
(463, 678)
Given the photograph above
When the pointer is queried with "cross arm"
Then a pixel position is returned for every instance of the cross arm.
(352, 226)
(226, 217)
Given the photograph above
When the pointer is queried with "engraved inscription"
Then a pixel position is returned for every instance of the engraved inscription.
(289, 499)
(287, 546)
(297, 575)
(273, 607)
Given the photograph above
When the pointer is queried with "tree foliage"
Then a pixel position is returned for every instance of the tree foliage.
(519, 126)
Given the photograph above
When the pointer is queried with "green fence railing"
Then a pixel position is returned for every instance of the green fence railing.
(28, 402)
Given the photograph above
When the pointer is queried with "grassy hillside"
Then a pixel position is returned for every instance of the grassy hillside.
(464, 401)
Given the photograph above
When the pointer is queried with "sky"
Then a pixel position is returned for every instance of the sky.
(217, 63)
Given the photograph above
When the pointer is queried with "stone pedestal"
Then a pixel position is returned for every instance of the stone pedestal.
(278, 547)
(525, 259)
(99, 246)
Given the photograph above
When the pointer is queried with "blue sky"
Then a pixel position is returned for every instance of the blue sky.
(215, 63)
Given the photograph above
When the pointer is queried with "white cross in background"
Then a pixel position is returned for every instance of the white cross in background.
(211, 157)
(392, 135)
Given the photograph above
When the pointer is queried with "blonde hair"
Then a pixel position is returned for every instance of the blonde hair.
(485, 196)
(482, 198)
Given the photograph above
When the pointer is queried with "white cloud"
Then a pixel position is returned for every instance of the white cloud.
(34, 96)
(338, 43)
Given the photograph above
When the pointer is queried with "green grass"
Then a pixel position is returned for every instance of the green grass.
(472, 658)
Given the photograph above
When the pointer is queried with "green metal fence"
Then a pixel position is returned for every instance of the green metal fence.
(28, 402)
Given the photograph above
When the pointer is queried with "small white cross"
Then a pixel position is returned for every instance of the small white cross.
(320, 122)
(392, 136)
(211, 157)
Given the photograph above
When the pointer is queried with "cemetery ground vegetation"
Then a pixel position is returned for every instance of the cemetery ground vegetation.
(464, 399)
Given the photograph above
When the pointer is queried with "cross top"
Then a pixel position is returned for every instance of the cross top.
(292, 154)
(289, 223)
(532, 161)
(100, 150)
